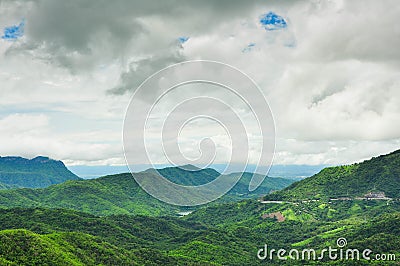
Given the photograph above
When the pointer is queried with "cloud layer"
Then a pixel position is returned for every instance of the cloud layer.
(329, 69)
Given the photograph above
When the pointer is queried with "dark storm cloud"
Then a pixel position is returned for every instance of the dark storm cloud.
(107, 30)
(141, 69)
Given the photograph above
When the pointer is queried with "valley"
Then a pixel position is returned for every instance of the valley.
(110, 220)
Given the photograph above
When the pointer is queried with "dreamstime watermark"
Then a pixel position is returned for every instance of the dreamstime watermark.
(340, 252)
(187, 93)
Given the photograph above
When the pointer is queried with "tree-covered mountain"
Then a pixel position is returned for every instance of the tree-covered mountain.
(153, 240)
(223, 233)
(379, 174)
(269, 184)
(38, 172)
(364, 224)
(309, 218)
(120, 194)
(187, 175)
(190, 175)
(23, 247)
(116, 194)
(61, 237)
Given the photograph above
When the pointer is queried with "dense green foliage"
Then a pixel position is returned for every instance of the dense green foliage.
(36, 173)
(268, 185)
(188, 175)
(120, 194)
(223, 233)
(365, 224)
(166, 239)
(117, 194)
(22, 247)
(378, 174)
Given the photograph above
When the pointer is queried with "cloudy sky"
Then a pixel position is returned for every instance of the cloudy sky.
(330, 71)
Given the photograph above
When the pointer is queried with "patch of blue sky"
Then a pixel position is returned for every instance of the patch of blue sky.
(14, 32)
(272, 21)
(249, 47)
(183, 39)
(30, 109)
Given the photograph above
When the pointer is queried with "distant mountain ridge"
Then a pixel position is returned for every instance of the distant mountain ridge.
(189, 175)
(38, 172)
(282, 171)
(380, 175)
(120, 194)
(66, 237)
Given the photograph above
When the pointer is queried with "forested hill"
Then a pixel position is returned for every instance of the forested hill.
(116, 194)
(35, 173)
(377, 175)
(189, 175)
(205, 237)
(120, 194)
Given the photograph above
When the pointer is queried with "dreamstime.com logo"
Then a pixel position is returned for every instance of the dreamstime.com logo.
(338, 253)
(178, 99)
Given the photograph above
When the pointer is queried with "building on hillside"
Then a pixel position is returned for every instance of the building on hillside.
(375, 195)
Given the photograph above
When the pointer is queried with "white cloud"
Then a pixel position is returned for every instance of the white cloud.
(31, 135)
(331, 77)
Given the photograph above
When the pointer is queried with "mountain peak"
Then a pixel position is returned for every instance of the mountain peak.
(380, 173)
(41, 159)
(38, 172)
(190, 167)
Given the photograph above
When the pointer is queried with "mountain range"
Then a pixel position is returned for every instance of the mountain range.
(378, 175)
(38, 172)
(120, 194)
(90, 222)
(276, 170)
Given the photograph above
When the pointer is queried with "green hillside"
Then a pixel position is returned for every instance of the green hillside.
(268, 185)
(127, 231)
(35, 173)
(380, 174)
(365, 224)
(222, 233)
(120, 194)
(203, 238)
(23, 247)
(117, 194)
(156, 240)
(188, 175)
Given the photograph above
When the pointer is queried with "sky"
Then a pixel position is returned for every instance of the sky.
(330, 71)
